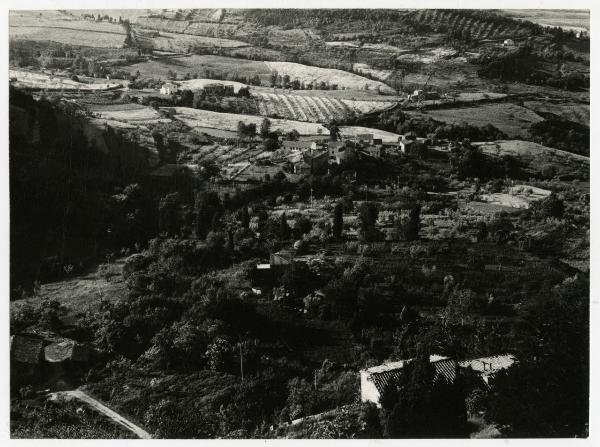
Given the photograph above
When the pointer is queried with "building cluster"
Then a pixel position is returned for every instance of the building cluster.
(310, 156)
(374, 380)
(43, 356)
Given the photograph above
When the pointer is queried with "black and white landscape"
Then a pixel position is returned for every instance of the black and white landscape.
(263, 223)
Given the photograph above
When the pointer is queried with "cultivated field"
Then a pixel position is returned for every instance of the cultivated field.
(196, 118)
(316, 109)
(220, 66)
(183, 43)
(62, 28)
(566, 19)
(343, 79)
(130, 113)
(29, 79)
(511, 119)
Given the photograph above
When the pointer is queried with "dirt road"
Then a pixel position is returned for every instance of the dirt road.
(101, 408)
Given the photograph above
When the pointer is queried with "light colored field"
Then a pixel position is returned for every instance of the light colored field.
(177, 42)
(199, 84)
(41, 80)
(305, 73)
(363, 107)
(63, 28)
(565, 18)
(511, 119)
(351, 131)
(577, 112)
(145, 115)
(195, 118)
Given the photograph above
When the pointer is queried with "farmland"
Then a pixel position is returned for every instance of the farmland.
(509, 118)
(38, 80)
(63, 29)
(184, 43)
(577, 112)
(221, 67)
(316, 109)
(195, 118)
(344, 80)
(128, 113)
(567, 19)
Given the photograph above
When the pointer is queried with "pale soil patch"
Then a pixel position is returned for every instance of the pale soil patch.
(146, 115)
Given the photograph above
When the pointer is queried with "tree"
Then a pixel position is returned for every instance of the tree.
(367, 216)
(265, 128)
(551, 206)
(245, 217)
(208, 205)
(338, 220)
(411, 229)
(284, 228)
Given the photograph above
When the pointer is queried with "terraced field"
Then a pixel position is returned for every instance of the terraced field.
(316, 109)
(478, 29)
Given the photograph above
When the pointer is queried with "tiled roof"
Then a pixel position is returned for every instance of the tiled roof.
(383, 374)
(26, 349)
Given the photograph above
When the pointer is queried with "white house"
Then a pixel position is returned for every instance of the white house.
(168, 88)
(508, 43)
(374, 380)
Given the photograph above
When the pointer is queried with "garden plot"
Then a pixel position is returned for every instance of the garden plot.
(196, 118)
(343, 79)
(29, 79)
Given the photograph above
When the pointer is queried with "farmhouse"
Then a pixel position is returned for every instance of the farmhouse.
(508, 43)
(374, 380)
(169, 88)
(311, 162)
(487, 367)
